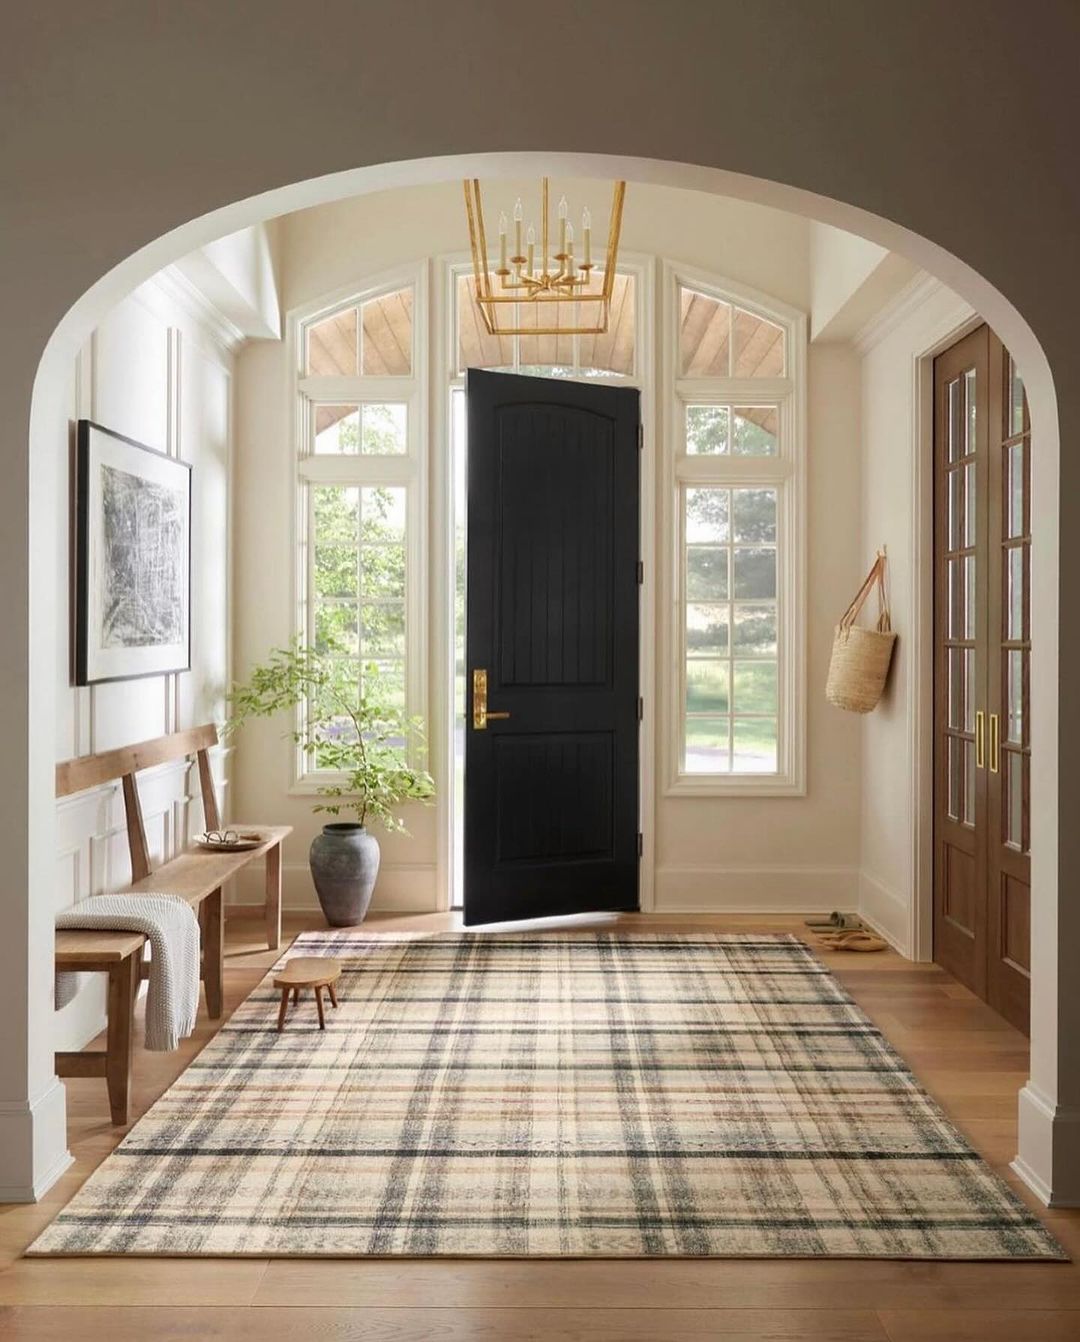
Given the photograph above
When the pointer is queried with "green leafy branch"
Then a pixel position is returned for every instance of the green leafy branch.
(359, 735)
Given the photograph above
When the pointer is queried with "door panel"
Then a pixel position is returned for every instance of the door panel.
(554, 797)
(555, 565)
(551, 771)
(960, 376)
(981, 667)
(1009, 743)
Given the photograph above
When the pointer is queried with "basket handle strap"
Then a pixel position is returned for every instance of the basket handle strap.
(875, 578)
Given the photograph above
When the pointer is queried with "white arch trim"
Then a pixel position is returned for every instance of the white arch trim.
(37, 1126)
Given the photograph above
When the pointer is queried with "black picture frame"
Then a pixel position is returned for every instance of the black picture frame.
(133, 532)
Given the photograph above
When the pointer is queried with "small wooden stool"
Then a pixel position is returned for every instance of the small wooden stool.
(307, 971)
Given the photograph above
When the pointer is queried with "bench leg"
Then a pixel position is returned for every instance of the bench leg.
(214, 953)
(333, 994)
(282, 1009)
(273, 897)
(124, 980)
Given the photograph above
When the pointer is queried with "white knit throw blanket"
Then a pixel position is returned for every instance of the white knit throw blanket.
(172, 999)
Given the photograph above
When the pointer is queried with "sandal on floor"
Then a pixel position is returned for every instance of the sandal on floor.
(836, 922)
(856, 940)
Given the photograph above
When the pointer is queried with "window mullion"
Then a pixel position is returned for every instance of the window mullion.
(334, 390)
(740, 390)
(359, 470)
(725, 470)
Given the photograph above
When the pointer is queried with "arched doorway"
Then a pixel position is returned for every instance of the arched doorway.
(47, 420)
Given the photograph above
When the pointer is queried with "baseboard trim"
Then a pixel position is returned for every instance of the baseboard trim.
(881, 908)
(882, 932)
(401, 888)
(1049, 1157)
(33, 1133)
(1023, 1171)
(755, 889)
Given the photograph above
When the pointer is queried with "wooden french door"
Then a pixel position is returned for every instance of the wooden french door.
(982, 648)
(551, 740)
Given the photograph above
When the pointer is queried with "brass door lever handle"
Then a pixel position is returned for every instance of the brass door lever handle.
(480, 715)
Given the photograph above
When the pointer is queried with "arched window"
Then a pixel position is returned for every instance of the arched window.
(735, 448)
(360, 436)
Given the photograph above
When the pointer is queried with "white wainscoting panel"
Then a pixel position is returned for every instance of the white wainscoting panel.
(156, 371)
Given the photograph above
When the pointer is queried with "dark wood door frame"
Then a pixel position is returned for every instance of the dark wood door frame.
(1008, 696)
(959, 642)
(981, 650)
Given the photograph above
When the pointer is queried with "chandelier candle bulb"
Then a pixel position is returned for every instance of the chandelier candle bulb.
(522, 298)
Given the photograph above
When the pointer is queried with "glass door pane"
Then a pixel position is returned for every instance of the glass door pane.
(1015, 603)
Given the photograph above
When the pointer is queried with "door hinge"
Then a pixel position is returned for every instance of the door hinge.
(641, 437)
(640, 709)
(640, 844)
(640, 570)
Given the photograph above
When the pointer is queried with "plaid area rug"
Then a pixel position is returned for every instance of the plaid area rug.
(568, 1093)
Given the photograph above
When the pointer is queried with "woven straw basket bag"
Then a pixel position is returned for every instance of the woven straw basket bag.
(861, 657)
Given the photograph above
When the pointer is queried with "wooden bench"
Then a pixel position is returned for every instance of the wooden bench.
(196, 875)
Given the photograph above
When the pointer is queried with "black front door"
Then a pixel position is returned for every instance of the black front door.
(551, 755)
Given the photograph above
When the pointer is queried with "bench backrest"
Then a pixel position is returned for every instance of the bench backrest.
(93, 770)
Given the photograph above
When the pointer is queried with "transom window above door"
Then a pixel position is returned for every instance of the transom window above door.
(612, 353)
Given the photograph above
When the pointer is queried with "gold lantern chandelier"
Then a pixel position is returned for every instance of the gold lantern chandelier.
(556, 284)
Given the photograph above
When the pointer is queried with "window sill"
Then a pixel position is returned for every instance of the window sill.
(745, 785)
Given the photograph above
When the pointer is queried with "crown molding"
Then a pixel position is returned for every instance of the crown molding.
(173, 285)
(920, 290)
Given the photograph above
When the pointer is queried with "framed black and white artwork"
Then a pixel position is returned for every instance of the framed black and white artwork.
(133, 559)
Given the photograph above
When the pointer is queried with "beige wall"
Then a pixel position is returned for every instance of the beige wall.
(321, 249)
(145, 132)
(840, 263)
(715, 852)
(894, 814)
(793, 852)
(157, 373)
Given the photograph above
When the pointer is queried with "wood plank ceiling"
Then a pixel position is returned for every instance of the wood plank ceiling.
(705, 340)
(375, 340)
(613, 351)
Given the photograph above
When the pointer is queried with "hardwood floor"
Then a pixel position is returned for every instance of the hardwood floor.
(969, 1058)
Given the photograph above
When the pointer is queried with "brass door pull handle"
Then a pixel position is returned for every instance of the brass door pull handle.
(480, 715)
(980, 740)
(995, 742)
